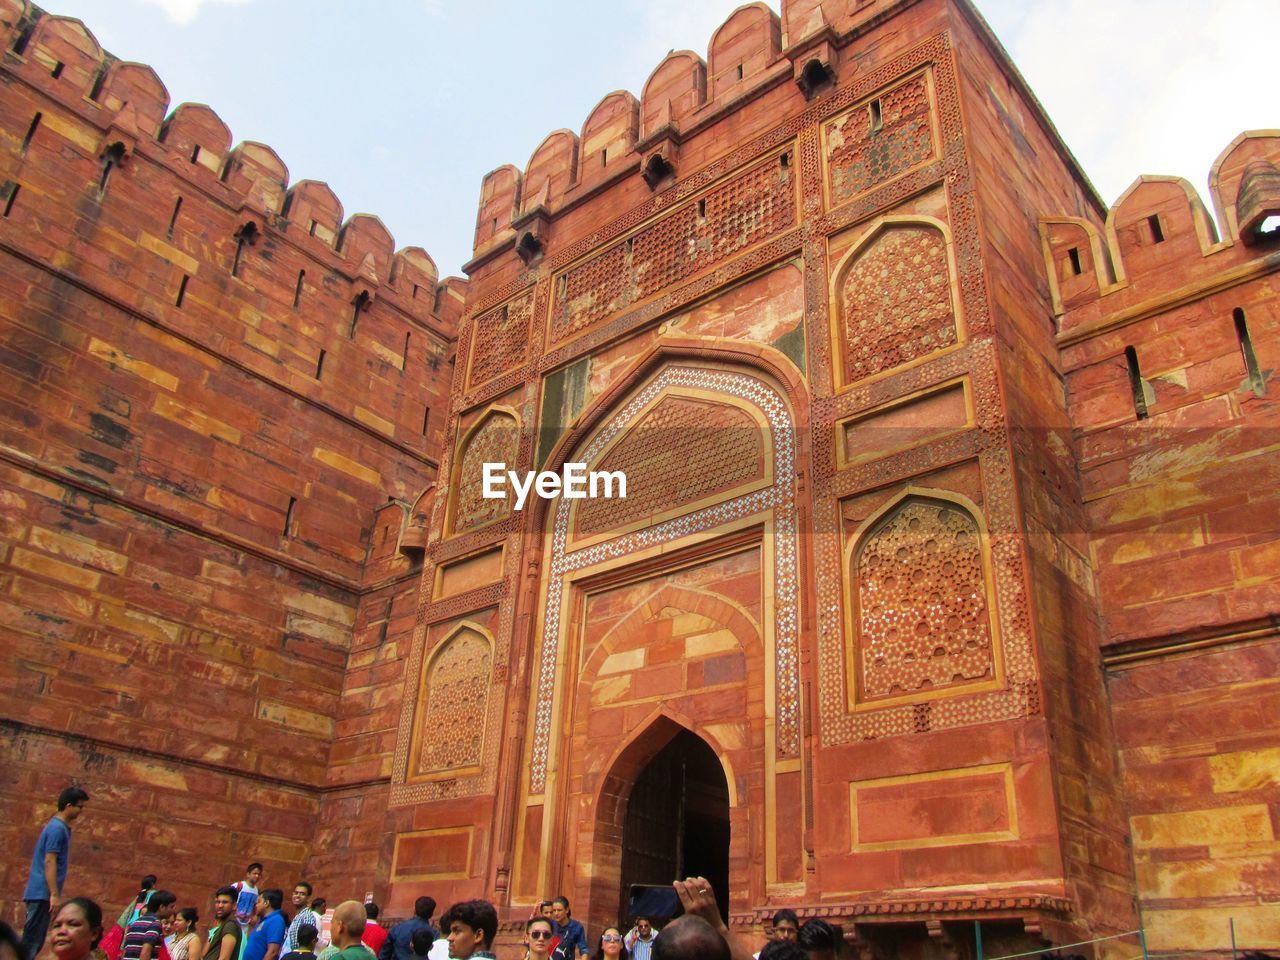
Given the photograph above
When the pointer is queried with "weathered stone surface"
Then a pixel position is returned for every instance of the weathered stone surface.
(955, 535)
(181, 580)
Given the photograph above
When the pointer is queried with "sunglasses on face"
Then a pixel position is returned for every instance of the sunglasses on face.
(539, 934)
(611, 938)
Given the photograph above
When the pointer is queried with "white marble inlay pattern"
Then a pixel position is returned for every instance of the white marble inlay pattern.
(780, 498)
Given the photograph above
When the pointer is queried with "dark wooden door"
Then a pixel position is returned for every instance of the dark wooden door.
(677, 822)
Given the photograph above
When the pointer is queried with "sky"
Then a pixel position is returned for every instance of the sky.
(402, 106)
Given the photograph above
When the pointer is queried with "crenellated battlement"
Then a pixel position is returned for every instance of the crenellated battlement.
(924, 564)
(1160, 244)
(1161, 309)
(158, 210)
(124, 111)
(753, 52)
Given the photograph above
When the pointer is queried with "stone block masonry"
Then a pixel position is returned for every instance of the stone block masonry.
(212, 384)
(950, 529)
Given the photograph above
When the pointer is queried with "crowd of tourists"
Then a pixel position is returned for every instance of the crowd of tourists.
(250, 922)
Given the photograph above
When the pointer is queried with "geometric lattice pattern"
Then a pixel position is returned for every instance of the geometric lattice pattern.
(778, 499)
(681, 451)
(501, 339)
(895, 301)
(455, 702)
(922, 602)
(496, 441)
(860, 157)
(749, 208)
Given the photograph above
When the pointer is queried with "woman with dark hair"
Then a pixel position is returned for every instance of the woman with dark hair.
(114, 939)
(610, 946)
(186, 941)
(538, 936)
(146, 890)
(76, 929)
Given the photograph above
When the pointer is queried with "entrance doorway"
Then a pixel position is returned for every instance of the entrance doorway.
(677, 821)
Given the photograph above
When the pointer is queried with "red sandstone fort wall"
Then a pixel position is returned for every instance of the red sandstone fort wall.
(1020, 170)
(350, 852)
(211, 382)
(413, 688)
(556, 265)
(531, 263)
(1169, 338)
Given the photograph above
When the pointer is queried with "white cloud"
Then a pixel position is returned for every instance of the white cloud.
(1137, 87)
(184, 11)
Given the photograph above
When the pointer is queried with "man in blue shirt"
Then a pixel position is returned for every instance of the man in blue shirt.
(49, 870)
(399, 944)
(639, 940)
(268, 936)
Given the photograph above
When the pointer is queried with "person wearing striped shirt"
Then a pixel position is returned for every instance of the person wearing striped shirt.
(639, 939)
(144, 936)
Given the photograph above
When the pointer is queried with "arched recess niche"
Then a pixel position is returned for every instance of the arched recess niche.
(493, 437)
(764, 511)
(452, 715)
(921, 618)
(895, 298)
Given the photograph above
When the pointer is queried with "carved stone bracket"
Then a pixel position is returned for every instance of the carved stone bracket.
(815, 68)
(532, 231)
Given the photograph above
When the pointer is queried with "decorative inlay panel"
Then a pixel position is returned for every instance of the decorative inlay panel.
(496, 440)
(1008, 600)
(501, 339)
(779, 498)
(753, 206)
(661, 474)
(922, 621)
(895, 300)
(914, 152)
(455, 704)
(876, 141)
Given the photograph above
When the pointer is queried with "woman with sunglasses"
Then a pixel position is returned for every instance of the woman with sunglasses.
(610, 946)
(538, 936)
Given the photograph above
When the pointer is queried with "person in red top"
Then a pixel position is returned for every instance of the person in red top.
(374, 936)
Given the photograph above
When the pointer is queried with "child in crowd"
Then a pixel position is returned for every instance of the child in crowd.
(307, 937)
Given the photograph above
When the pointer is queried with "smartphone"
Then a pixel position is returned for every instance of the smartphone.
(656, 900)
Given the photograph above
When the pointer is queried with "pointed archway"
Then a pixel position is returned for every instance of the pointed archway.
(676, 824)
(741, 532)
(666, 809)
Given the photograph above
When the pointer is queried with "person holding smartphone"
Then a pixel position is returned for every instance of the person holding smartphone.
(701, 933)
(639, 939)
